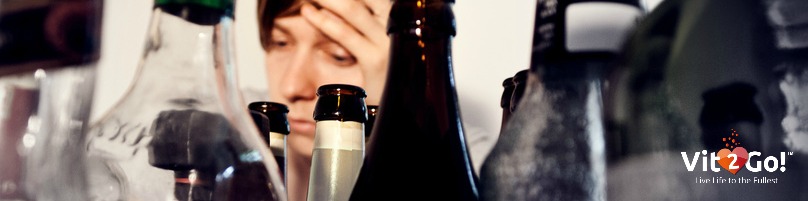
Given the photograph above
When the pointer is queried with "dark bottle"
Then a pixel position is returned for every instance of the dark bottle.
(519, 86)
(372, 111)
(505, 101)
(339, 141)
(700, 77)
(552, 148)
(275, 133)
(418, 139)
(48, 34)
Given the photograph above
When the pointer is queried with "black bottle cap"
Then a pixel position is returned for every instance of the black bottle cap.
(340, 102)
(276, 113)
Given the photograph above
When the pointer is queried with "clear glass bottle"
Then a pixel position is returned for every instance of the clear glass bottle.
(181, 131)
(48, 55)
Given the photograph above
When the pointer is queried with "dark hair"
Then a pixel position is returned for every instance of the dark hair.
(269, 10)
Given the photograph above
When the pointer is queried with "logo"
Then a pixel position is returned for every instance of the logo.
(733, 158)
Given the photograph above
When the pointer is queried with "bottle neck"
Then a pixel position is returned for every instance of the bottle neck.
(194, 60)
(575, 30)
(420, 71)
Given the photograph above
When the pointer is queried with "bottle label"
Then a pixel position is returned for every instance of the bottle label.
(346, 135)
(599, 26)
(277, 143)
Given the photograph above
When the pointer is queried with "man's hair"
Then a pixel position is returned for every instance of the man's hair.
(269, 10)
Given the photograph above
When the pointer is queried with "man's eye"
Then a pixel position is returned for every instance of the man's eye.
(278, 43)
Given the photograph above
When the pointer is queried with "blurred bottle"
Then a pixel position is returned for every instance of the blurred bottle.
(418, 139)
(275, 133)
(552, 148)
(698, 77)
(339, 142)
(48, 53)
(372, 111)
(181, 131)
(505, 100)
(519, 86)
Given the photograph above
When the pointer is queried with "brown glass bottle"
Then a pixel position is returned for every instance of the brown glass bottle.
(505, 100)
(339, 141)
(519, 85)
(372, 111)
(275, 131)
(417, 150)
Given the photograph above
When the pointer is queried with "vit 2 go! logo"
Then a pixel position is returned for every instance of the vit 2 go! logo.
(733, 158)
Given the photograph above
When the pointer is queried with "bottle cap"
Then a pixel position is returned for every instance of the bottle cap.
(276, 113)
(340, 102)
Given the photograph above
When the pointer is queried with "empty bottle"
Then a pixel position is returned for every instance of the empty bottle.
(418, 149)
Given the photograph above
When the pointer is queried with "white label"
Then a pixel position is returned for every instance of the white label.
(599, 26)
(277, 143)
(334, 134)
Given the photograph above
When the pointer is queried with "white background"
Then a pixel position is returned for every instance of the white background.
(493, 43)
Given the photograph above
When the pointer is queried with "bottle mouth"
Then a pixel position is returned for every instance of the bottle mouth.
(200, 14)
(341, 89)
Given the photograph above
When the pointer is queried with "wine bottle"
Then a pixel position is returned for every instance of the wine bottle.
(339, 141)
(418, 140)
(698, 79)
(277, 130)
(552, 148)
(183, 116)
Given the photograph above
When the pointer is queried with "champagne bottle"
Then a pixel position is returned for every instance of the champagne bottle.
(552, 148)
(181, 131)
(278, 129)
(698, 78)
(339, 141)
(372, 111)
(418, 140)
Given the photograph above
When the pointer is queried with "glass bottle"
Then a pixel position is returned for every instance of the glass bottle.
(418, 148)
(505, 100)
(552, 148)
(48, 55)
(520, 84)
(339, 141)
(181, 131)
(372, 111)
(278, 130)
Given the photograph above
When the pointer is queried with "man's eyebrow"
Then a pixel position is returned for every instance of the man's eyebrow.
(281, 28)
